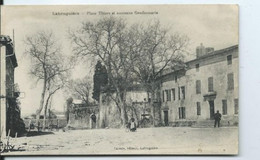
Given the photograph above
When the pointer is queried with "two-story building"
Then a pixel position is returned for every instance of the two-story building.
(204, 85)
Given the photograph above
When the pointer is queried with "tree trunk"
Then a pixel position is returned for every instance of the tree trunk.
(45, 111)
(44, 119)
(38, 112)
(154, 109)
(121, 99)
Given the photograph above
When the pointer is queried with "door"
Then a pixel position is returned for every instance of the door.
(166, 122)
(211, 109)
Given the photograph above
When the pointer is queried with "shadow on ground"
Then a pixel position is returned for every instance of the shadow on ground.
(36, 133)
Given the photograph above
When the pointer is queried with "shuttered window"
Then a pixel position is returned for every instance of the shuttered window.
(168, 95)
(230, 81)
(198, 109)
(173, 94)
(183, 92)
(229, 59)
(224, 107)
(198, 87)
(236, 106)
(182, 114)
(210, 84)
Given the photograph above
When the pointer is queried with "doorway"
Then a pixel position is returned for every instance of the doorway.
(211, 109)
(166, 120)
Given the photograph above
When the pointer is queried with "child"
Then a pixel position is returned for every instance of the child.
(132, 125)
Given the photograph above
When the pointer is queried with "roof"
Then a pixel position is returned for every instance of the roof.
(210, 54)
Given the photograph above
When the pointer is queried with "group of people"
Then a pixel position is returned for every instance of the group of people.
(131, 126)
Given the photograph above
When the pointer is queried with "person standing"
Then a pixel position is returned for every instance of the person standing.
(93, 120)
(217, 117)
(132, 125)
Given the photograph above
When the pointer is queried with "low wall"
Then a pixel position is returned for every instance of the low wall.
(80, 118)
(50, 123)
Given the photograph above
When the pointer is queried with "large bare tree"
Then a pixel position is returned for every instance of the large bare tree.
(48, 65)
(130, 53)
(154, 49)
(105, 40)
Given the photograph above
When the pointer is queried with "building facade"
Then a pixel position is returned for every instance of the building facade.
(206, 84)
(11, 122)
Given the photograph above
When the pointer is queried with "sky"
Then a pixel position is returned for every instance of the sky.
(213, 25)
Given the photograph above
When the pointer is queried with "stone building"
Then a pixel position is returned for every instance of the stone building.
(193, 93)
(10, 111)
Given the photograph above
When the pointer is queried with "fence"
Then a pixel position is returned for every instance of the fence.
(49, 123)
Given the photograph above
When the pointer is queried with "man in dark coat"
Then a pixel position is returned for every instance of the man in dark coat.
(93, 120)
(217, 117)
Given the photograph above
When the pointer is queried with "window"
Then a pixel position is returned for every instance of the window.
(182, 113)
(175, 78)
(236, 106)
(210, 84)
(183, 92)
(158, 96)
(168, 95)
(198, 109)
(230, 81)
(229, 59)
(197, 67)
(179, 94)
(173, 94)
(198, 87)
(224, 107)
(163, 96)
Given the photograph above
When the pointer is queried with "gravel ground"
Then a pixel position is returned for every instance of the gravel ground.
(164, 140)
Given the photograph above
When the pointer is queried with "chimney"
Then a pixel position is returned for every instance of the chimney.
(201, 50)
(209, 49)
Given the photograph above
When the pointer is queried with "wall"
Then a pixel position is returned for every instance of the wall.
(79, 118)
(135, 106)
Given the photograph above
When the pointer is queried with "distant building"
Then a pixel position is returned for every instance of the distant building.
(206, 84)
(137, 105)
(10, 110)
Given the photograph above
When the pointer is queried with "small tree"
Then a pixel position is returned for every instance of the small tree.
(100, 80)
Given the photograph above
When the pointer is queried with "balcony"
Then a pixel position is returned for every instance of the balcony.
(210, 96)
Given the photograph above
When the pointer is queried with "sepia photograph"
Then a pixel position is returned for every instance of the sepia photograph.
(119, 80)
